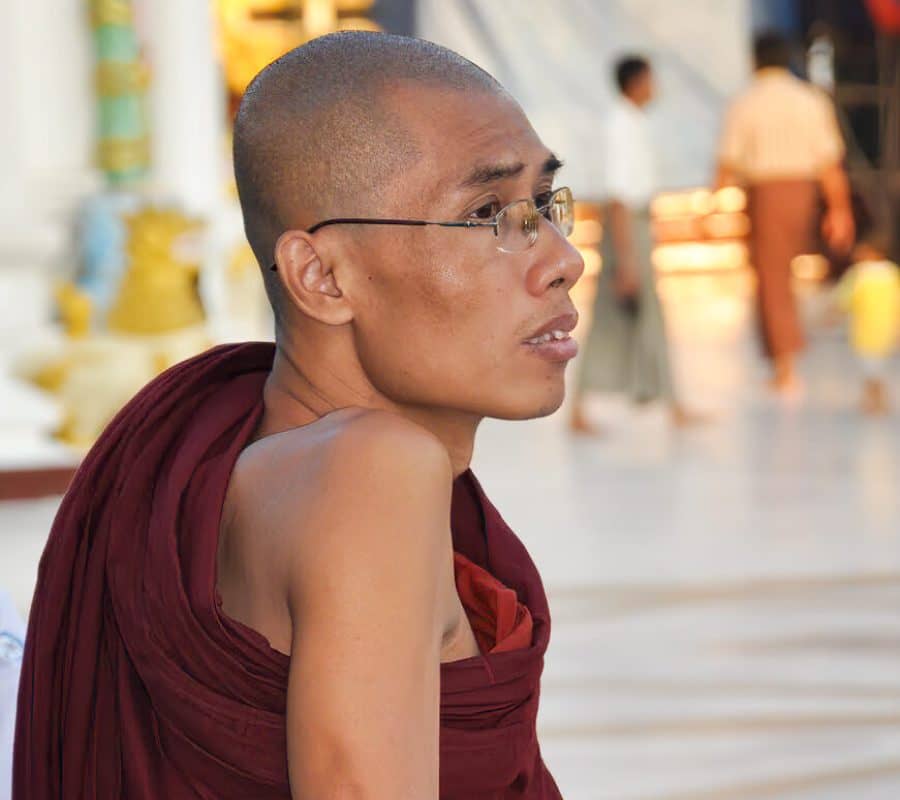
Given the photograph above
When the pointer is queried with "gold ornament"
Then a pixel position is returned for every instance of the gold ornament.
(123, 155)
(253, 33)
(159, 288)
(110, 12)
(75, 308)
(114, 78)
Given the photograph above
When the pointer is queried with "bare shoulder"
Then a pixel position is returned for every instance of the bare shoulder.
(377, 445)
(357, 478)
(375, 470)
(358, 497)
(348, 449)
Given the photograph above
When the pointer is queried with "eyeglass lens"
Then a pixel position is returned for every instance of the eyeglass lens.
(517, 223)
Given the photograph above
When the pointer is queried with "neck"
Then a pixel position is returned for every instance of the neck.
(306, 383)
(454, 428)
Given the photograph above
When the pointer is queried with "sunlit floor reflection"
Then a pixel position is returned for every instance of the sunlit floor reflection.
(725, 599)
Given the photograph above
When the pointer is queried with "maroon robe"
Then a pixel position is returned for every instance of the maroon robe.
(136, 685)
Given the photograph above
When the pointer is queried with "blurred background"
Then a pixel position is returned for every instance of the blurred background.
(724, 595)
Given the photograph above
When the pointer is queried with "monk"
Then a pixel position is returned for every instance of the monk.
(275, 575)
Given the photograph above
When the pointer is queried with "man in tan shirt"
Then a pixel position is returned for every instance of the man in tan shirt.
(782, 142)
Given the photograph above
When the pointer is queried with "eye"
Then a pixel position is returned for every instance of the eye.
(487, 211)
(543, 198)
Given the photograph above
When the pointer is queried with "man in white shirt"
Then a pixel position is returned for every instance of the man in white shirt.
(781, 141)
(626, 350)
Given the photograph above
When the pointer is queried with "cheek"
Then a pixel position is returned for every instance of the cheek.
(439, 320)
(441, 296)
(447, 294)
(433, 325)
(470, 316)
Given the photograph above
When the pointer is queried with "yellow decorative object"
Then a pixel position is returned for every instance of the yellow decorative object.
(357, 24)
(159, 288)
(122, 155)
(93, 377)
(155, 320)
(50, 375)
(253, 33)
(110, 12)
(241, 262)
(75, 308)
(121, 77)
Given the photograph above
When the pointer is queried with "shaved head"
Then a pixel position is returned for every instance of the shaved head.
(314, 135)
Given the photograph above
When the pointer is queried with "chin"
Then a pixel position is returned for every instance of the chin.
(526, 407)
(546, 410)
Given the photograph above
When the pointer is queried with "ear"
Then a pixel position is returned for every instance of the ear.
(309, 280)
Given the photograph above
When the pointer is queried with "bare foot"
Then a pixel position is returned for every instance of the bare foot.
(784, 378)
(682, 417)
(783, 383)
(579, 424)
(875, 399)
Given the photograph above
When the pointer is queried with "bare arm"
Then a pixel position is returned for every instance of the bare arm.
(627, 279)
(365, 600)
(725, 176)
(838, 227)
(835, 187)
(620, 230)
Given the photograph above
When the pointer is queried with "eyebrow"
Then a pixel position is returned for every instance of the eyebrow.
(489, 173)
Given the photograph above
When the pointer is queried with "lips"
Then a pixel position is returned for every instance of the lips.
(552, 341)
(556, 329)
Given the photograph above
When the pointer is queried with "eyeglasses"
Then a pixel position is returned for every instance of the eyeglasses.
(515, 226)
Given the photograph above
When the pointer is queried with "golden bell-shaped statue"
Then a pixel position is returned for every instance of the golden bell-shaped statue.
(158, 293)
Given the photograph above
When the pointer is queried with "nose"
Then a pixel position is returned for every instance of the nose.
(557, 264)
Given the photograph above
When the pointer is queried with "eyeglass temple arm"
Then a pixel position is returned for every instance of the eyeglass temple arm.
(416, 222)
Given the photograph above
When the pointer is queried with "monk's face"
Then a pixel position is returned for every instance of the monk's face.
(442, 318)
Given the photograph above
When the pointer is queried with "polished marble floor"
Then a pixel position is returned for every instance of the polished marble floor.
(725, 599)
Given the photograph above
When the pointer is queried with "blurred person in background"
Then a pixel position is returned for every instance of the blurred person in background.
(626, 350)
(869, 292)
(782, 142)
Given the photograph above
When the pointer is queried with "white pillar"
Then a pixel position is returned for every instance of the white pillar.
(187, 105)
(46, 93)
(46, 135)
(46, 155)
